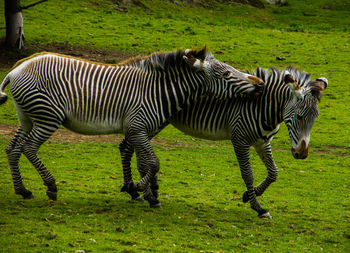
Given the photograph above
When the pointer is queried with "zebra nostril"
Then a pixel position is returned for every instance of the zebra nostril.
(262, 84)
(295, 154)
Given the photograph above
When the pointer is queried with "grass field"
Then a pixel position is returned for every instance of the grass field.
(200, 182)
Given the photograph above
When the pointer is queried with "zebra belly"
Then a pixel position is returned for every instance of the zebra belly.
(217, 134)
(92, 128)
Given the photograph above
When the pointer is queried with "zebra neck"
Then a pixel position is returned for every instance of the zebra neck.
(273, 104)
(169, 91)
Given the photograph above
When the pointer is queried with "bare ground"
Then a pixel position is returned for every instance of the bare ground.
(9, 58)
(7, 132)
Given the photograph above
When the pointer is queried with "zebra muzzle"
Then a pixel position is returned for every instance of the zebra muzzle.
(302, 151)
(256, 81)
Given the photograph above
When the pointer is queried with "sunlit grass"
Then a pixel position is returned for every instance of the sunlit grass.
(200, 183)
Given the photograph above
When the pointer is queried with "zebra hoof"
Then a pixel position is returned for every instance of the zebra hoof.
(155, 204)
(265, 216)
(52, 195)
(158, 205)
(26, 194)
(138, 199)
(31, 196)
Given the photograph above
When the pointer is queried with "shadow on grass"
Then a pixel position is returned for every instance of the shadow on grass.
(119, 206)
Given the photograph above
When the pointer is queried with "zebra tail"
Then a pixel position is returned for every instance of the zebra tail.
(3, 95)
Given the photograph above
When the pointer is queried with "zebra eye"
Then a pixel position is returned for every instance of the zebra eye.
(227, 73)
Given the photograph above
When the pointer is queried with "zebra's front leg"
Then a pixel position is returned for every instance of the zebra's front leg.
(242, 153)
(126, 152)
(148, 171)
(265, 153)
(148, 164)
(151, 191)
(13, 152)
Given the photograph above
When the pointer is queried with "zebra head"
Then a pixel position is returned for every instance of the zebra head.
(226, 75)
(302, 112)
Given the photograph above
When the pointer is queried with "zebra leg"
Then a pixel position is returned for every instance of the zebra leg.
(265, 153)
(154, 186)
(126, 152)
(36, 137)
(151, 191)
(148, 164)
(149, 170)
(154, 180)
(13, 152)
(242, 153)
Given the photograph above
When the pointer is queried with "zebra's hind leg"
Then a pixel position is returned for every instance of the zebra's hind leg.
(37, 136)
(13, 152)
(126, 152)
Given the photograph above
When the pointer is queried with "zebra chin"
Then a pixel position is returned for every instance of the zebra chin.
(302, 151)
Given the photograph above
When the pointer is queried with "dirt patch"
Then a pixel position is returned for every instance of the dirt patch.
(9, 58)
(7, 132)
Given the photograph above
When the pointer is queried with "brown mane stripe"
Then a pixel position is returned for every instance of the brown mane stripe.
(159, 60)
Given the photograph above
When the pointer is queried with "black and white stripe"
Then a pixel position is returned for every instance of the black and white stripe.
(135, 98)
(254, 122)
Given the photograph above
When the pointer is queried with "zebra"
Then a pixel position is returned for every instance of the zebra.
(135, 98)
(289, 95)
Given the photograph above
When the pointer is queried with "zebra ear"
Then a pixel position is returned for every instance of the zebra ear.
(293, 85)
(200, 54)
(318, 86)
(196, 63)
(323, 81)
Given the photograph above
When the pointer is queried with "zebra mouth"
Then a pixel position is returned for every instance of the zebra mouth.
(256, 80)
(301, 152)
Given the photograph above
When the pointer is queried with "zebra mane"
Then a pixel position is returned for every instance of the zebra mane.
(155, 61)
(301, 77)
(163, 61)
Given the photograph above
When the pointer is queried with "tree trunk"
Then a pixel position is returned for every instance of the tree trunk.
(14, 24)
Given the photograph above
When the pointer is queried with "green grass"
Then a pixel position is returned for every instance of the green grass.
(201, 195)
(200, 183)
